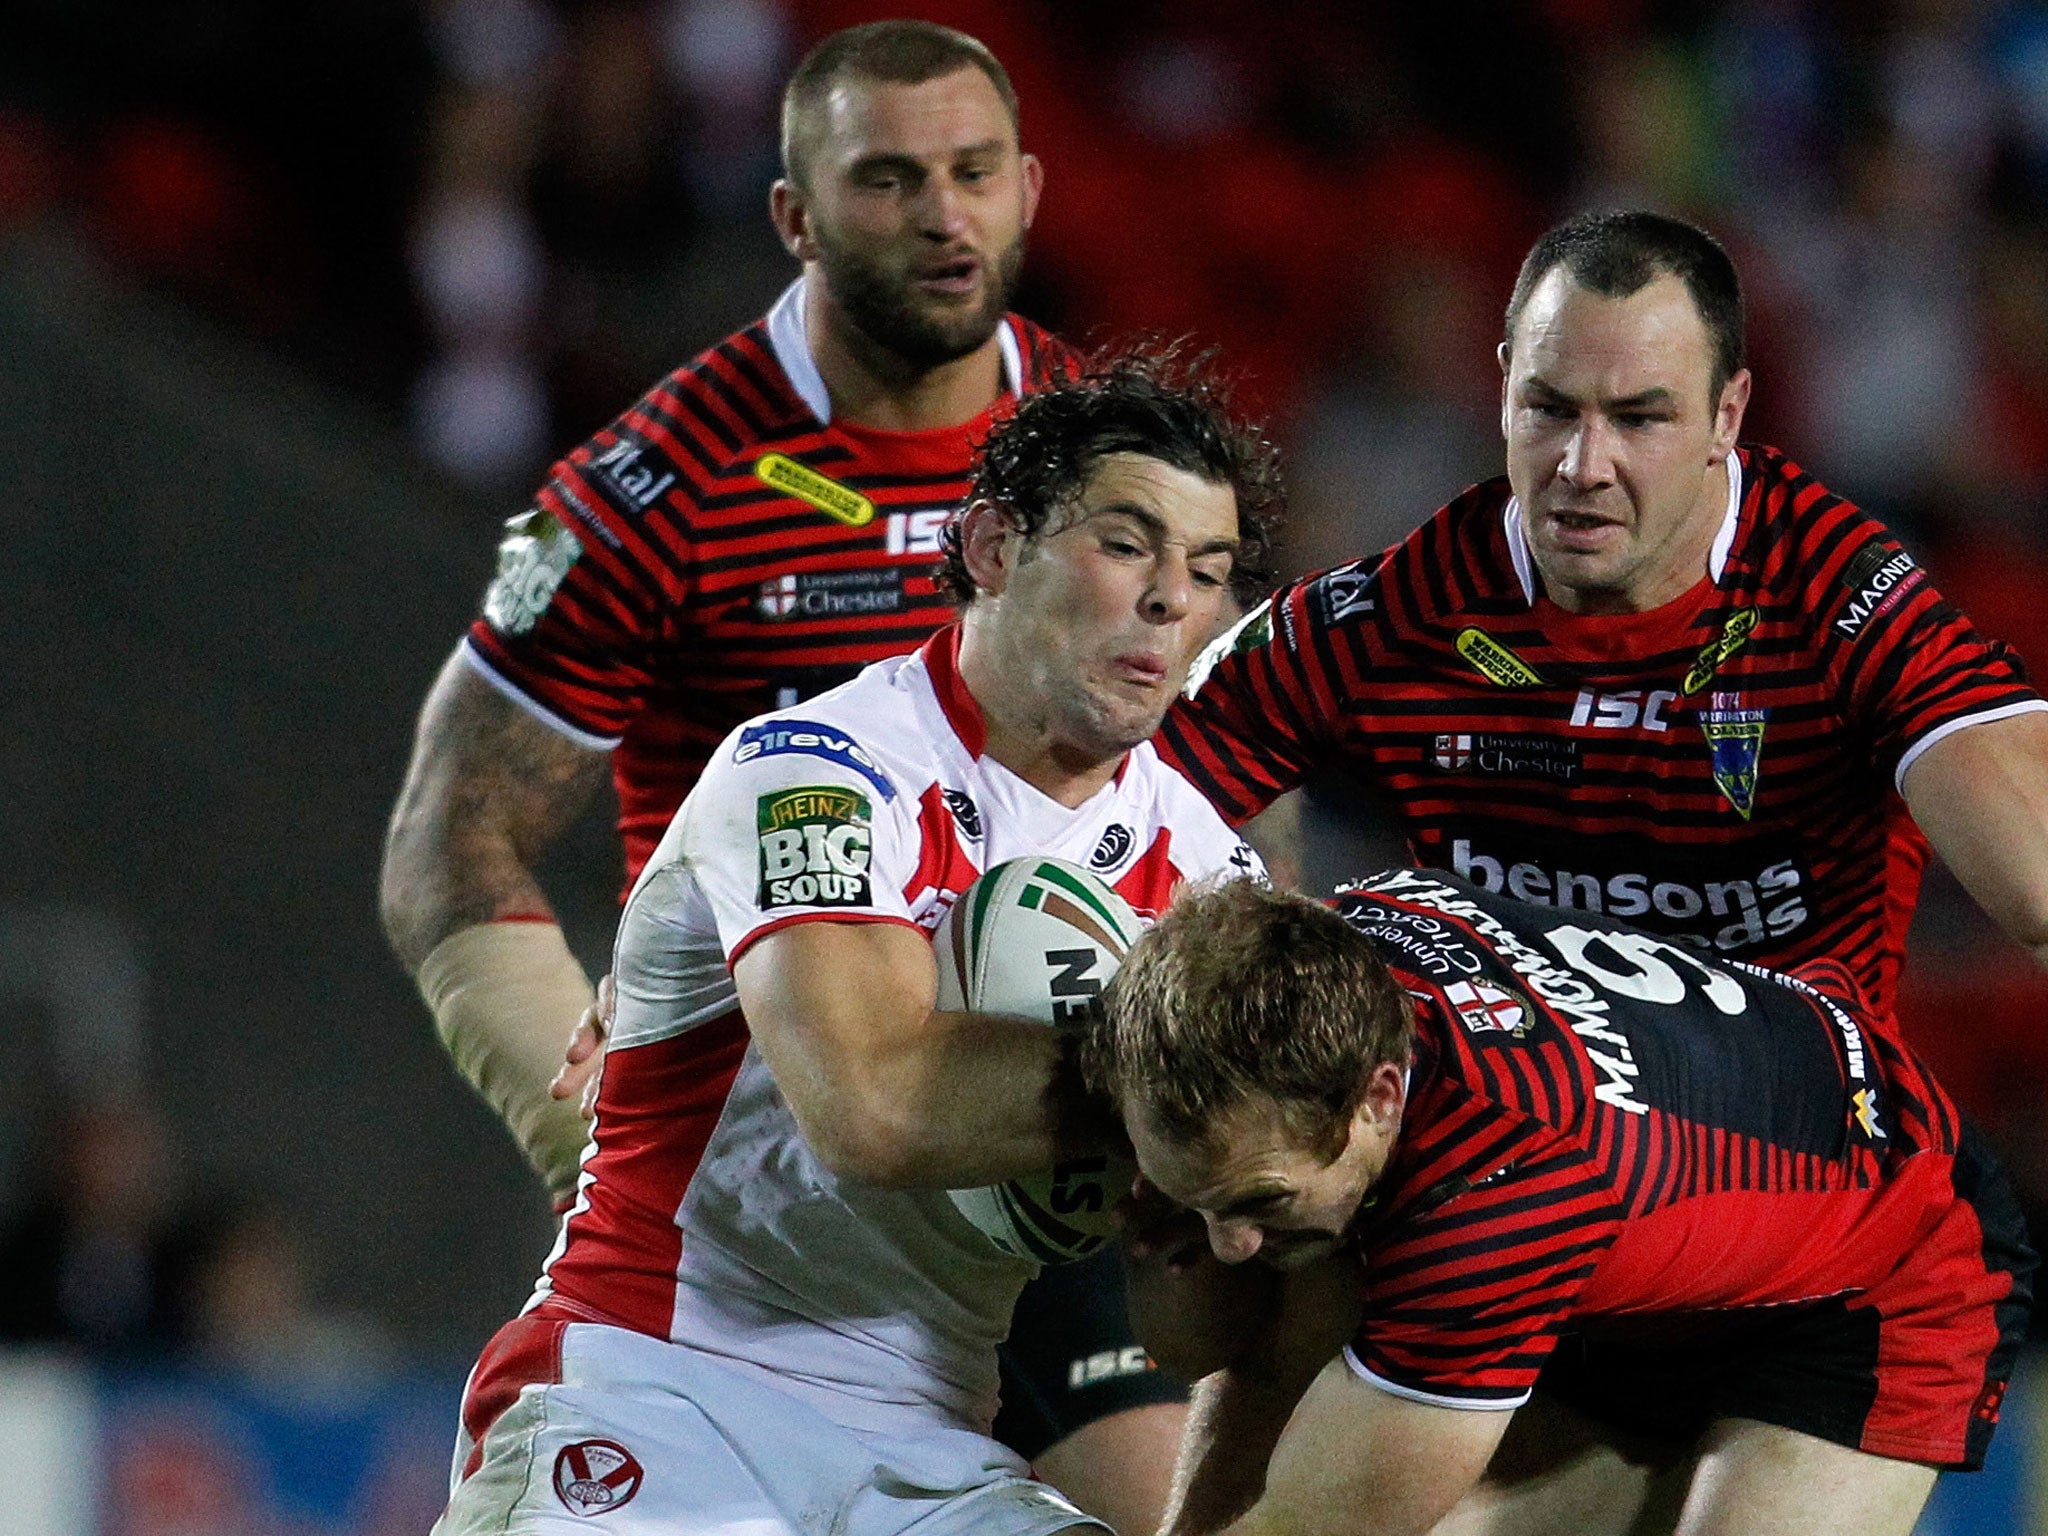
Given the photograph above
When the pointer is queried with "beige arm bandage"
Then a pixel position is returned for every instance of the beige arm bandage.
(506, 997)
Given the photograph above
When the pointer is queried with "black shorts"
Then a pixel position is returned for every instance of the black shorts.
(1914, 1369)
(1071, 1358)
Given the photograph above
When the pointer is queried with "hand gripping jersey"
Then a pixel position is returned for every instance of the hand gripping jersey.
(1608, 1130)
(1722, 769)
(722, 549)
(702, 1216)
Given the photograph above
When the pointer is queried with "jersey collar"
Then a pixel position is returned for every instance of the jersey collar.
(941, 657)
(791, 344)
(1717, 556)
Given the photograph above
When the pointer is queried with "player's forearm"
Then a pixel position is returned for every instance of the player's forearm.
(963, 1101)
(1234, 1421)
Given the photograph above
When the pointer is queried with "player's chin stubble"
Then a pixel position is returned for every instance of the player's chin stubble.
(885, 309)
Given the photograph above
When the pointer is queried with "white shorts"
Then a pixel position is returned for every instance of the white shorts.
(581, 1427)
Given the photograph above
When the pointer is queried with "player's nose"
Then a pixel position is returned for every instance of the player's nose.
(1588, 456)
(1233, 1241)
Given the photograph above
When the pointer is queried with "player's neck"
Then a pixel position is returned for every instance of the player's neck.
(875, 387)
(1018, 724)
(1048, 766)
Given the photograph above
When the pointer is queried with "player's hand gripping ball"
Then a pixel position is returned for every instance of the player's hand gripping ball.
(1038, 939)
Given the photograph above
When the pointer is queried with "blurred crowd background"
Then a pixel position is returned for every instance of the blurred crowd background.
(296, 305)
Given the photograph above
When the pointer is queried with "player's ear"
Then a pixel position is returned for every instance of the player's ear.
(1386, 1096)
(1506, 355)
(791, 214)
(989, 542)
(1033, 172)
(1728, 414)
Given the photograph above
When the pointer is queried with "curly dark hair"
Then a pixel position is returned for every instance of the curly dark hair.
(1164, 401)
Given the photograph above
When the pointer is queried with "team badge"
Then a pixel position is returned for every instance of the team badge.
(1114, 848)
(595, 1477)
(813, 489)
(1735, 736)
(536, 554)
(816, 843)
(964, 811)
(1483, 1008)
(1735, 634)
(1495, 662)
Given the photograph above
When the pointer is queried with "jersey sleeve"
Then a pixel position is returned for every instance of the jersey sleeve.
(588, 576)
(1464, 1301)
(1915, 668)
(1264, 704)
(795, 821)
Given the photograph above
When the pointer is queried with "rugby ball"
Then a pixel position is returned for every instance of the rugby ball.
(1038, 938)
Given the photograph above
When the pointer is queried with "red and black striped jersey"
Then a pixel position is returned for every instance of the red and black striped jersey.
(1607, 1129)
(723, 549)
(1723, 768)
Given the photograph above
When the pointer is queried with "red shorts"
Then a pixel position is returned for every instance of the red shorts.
(1914, 1368)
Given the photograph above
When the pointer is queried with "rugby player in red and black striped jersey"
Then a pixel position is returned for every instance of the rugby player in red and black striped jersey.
(1481, 1140)
(756, 529)
(1648, 673)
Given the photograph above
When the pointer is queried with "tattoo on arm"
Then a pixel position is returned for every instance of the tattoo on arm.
(489, 790)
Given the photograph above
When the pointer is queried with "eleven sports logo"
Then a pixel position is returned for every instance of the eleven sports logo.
(816, 842)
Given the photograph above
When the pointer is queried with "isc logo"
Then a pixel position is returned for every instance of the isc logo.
(1076, 995)
(1620, 711)
(916, 533)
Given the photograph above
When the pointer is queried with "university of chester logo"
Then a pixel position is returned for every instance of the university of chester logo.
(1734, 636)
(595, 1477)
(1485, 1008)
(1495, 662)
(814, 489)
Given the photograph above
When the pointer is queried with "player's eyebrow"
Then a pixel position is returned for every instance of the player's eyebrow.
(1252, 1202)
(897, 160)
(1657, 398)
(1155, 525)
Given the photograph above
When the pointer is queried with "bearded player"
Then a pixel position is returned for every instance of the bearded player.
(758, 527)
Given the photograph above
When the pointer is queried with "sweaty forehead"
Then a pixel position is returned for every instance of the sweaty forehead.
(1191, 509)
(1591, 345)
(862, 117)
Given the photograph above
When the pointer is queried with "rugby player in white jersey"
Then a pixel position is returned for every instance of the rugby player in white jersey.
(764, 1313)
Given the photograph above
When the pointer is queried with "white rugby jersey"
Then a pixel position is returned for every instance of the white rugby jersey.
(702, 1216)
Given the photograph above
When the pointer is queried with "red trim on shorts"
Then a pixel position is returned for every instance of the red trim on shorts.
(1938, 1328)
(525, 1352)
(524, 917)
(765, 929)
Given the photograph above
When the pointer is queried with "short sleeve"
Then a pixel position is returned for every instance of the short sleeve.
(795, 821)
(588, 578)
(1464, 1302)
(1915, 668)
